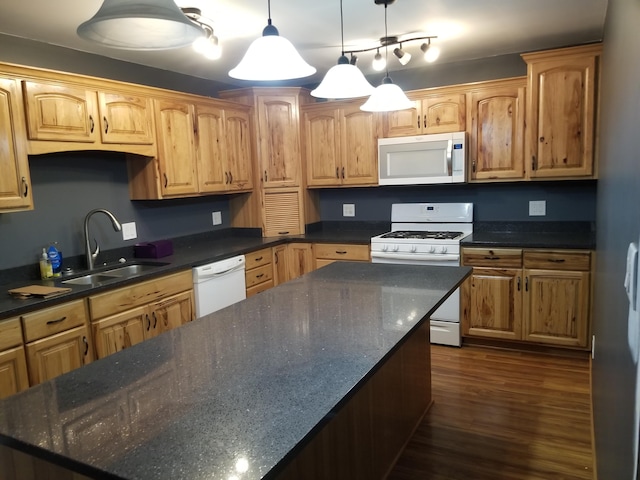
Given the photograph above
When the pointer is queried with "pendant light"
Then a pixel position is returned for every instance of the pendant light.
(387, 97)
(271, 57)
(343, 80)
(140, 25)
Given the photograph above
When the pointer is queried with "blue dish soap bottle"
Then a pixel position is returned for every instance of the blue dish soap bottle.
(56, 259)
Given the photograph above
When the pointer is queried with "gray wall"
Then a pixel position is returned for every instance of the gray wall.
(618, 197)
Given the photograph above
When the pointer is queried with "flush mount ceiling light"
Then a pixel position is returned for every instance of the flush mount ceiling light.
(343, 80)
(140, 25)
(207, 44)
(271, 57)
(387, 97)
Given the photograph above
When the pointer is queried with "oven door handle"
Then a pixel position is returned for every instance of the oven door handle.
(417, 257)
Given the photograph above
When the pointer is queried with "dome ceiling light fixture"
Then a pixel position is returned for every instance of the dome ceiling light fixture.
(343, 80)
(140, 25)
(207, 45)
(387, 97)
(271, 57)
(431, 52)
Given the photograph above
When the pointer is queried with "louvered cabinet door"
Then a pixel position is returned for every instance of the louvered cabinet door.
(282, 212)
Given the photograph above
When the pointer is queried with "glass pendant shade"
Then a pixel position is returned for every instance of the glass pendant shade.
(271, 57)
(387, 97)
(140, 25)
(343, 81)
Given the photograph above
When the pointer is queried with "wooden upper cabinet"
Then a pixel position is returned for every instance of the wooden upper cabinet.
(211, 149)
(58, 111)
(126, 118)
(561, 112)
(176, 148)
(340, 144)
(238, 149)
(496, 139)
(15, 181)
(439, 110)
(282, 212)
(278, 140)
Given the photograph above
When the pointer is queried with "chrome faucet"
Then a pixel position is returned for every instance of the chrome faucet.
(91, 256)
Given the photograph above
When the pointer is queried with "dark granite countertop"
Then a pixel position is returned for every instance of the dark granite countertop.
(563, 235)
(248, 383)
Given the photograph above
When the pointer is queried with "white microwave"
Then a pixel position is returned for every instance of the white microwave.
(422, 159)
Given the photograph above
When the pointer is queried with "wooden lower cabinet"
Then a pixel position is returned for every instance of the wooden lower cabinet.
(536, 296)
(13, 363)
(326, 253)
(259, 274)
(291, 261)
(126, 316)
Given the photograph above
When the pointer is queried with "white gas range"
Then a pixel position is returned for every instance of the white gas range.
(428, 234)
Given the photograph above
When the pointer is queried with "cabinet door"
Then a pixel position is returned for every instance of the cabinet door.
(493, 304)
(120, 331)
(321, 146)
(402, 123)
(497, 133)
(52, 356)
(15, 183)
(213, 175)
(13, 371)
(358, 147)
(443, 113)
(238, 149)
(176, 149)
(279, 263)
(173, 312)
(299, 259)
(126, 118)
(60, 112)
(282, 212)
(561, 113)
(557, 307)
(278, 140)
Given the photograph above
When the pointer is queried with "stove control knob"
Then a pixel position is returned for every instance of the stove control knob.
(385, 248)
(443, 250)
(395, 248)
(413, 249)
(432, 249)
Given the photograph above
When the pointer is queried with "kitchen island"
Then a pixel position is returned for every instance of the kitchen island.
(330, 369)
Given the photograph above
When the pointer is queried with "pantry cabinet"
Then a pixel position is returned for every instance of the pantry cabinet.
(126, 316)
(13, 362)
(340, 144)
(437, 110)
(537, 296)
(57, 340)
(561, 112)
(15, 181)
(63, 116)
(496, 137)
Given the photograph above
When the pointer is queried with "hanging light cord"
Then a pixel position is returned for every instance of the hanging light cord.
(341, 29)
(386, 47)
(269, 12)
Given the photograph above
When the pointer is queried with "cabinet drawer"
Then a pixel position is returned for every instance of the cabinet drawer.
(258, 275)
(258, 258)
(260, 287)
(53, 320)
(492, 257)
(10, 333)
(336, 251)
(126, 298)
(557, 260)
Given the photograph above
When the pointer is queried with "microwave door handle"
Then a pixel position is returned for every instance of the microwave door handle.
(449, 161)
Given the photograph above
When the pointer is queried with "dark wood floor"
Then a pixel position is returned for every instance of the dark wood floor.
(502, 415)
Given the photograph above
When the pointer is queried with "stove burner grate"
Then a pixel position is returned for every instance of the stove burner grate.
(414, 234)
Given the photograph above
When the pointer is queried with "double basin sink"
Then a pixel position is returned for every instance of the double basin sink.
(113, 274)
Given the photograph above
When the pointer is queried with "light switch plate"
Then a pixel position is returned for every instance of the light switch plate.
(216, 217)
(537, 208)
(348, 210)
(129, 231)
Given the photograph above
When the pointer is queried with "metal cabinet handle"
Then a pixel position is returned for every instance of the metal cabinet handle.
(26, 187)
(91, 123)
(526, 284)
(155, 320)
(341, 252)
(106, 124)
(259, 258)
(556, 260)
(230, 177)
(337, 172)
(518, 283)
(418, 122)
(148, 322)
(260, 276)
(86, 345)
(276, 256)
(343, 172)
(534, 164)
(166, 180)
(265, 176)
(57, 320)
(424, 121)
(226, 177)
(283, 233)
(491, 257)
(473, 166)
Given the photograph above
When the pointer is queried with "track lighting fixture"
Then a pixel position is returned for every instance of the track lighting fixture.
(207, 45)
(431, 53)
(271, 57)
(403, 57)
(378, 63)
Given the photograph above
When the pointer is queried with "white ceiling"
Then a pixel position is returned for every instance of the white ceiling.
(466, 29)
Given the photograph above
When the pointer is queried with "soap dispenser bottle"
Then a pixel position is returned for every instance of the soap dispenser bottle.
(46, 271)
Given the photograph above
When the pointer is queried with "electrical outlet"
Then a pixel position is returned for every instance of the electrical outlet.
(217, 218)
(348, 210)
(537, 208)
(129, 231)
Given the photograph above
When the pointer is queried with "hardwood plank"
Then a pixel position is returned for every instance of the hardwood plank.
(501, 414)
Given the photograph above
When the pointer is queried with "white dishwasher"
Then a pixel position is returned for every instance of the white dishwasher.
(218, 285)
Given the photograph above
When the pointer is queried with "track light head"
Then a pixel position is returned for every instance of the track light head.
(403, 57)
(379, 63)
(431, 53)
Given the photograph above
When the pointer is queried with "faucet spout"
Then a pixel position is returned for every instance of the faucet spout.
(89, 255)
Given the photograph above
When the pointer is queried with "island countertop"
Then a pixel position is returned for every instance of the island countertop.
(236, 392)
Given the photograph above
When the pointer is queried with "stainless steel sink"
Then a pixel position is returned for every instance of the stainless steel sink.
(116, 273)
